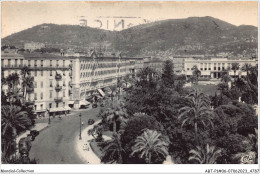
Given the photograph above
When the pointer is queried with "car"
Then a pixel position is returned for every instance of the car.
(33, 134)
(91, 121)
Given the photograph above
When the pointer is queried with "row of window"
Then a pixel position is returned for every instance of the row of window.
(50, 106)
(57, 105)
(102, 65)
(57, 84)
(35, 62)
(51, 92)
(98, 73)
(51, 63)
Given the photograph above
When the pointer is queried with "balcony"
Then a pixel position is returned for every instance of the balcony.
(58, 77)
(58, 99)
(58, 87)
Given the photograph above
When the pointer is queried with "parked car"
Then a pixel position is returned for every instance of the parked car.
(34, 133)
(91, 121)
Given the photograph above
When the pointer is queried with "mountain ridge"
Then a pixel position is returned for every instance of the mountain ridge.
(193, 35)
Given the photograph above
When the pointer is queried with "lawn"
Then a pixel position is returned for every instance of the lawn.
(209, 89)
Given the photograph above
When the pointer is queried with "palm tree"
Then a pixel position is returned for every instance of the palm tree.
(197, 112)
(13, 118)
(114, 114)
(13, 81)
(209, 155)
(26, 84)
(235, 67)
(246, 67)
(252, 151)
(112, 152)
(150, 143)
(25, 71)
(97, 130)
(225, 78)
(15, 97)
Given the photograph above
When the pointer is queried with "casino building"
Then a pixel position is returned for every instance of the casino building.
(213, 68)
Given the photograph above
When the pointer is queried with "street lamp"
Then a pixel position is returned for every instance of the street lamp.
(80, 127)
(49, 116)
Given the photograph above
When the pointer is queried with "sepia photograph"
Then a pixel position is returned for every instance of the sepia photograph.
(112, 82)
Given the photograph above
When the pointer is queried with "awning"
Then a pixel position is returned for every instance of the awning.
(71, 102)
(83, 102)
(101, 92)
(59, 109)
(67, 108)
(43, 110)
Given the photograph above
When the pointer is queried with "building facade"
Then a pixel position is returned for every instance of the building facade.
(62, 79)
(154, 63)
(94, 73)
(214, 67)
(34, 46)
(50, 92)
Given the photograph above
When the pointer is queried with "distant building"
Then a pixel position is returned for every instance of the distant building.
(155, 63)
(34, 46)
(215, 67)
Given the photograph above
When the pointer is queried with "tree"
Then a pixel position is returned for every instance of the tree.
(207, 155)
(134, 128)
(147, 77)
(235, 67)
(113, 114)
(13, 81)
(150, 143)
(251, 154)
(13, 119)
(197, 113)
(97, 130)
(112, 152)
(26, 84)
(25, 71)
(128, 80)
(168, 74)
(246, 67)
(195, 75)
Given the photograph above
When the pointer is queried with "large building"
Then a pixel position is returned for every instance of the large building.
(214, 67)
(50, 91)
(62, 79)
(94, 73)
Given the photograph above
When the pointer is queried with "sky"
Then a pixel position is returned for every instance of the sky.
(17, 16)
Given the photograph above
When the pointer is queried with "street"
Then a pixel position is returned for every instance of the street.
(55, 145)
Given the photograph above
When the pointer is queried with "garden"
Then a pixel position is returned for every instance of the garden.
(158, 118)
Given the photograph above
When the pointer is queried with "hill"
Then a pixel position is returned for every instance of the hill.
(194, 35)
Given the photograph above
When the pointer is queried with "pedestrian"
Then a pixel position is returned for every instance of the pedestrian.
(82, 123)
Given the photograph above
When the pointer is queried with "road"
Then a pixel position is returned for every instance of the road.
(55, 145)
